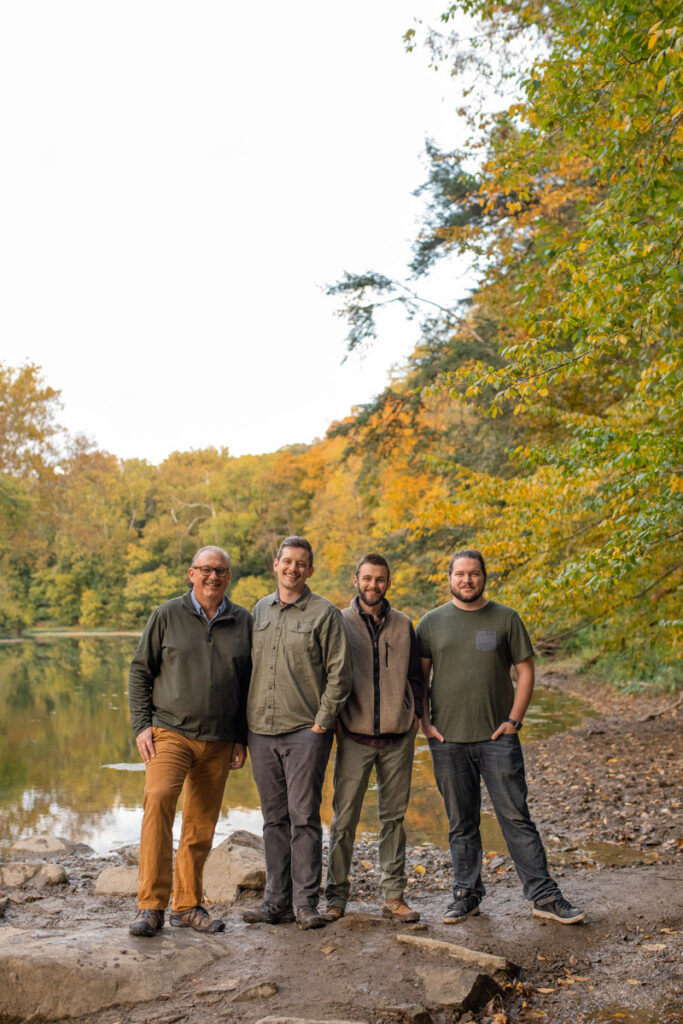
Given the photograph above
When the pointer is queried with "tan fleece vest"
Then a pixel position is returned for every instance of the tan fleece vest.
(385, 705)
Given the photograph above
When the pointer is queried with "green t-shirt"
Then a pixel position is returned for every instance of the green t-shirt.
(471, 652)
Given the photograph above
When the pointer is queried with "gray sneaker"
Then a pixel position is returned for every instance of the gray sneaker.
(559, 910)
(464, 905)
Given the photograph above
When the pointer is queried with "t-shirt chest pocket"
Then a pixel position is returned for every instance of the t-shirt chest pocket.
(486, 640)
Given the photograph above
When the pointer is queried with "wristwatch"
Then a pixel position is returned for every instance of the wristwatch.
(517, 725)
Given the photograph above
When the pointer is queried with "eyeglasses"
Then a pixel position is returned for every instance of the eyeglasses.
(206, 570)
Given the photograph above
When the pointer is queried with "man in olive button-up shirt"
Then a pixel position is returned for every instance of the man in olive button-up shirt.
(300, 681)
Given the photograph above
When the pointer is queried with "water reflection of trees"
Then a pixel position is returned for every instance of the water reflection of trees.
(64, 714)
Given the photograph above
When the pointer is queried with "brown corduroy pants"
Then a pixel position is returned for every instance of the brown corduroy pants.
(203, 768)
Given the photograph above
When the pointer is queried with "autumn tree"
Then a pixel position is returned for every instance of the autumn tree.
(577, 237)
(28, 434)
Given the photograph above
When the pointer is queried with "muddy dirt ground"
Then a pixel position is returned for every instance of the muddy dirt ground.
(607, 800)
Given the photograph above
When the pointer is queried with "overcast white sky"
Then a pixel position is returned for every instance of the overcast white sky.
(179, 180)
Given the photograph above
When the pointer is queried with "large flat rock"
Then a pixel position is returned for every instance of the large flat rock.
(70, 974)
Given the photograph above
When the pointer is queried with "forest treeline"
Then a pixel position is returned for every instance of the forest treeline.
(539, 420)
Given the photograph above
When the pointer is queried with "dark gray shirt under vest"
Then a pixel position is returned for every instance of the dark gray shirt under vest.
(387, 689)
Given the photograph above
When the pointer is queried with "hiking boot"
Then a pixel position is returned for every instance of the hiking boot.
(333, 914)
(197, 918)
(398, 910)
(308, 917)
(266, 913)
(465, 905)
(559, 910)
(147, 923)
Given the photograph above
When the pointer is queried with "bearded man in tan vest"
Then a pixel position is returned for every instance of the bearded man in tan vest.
(376, 728)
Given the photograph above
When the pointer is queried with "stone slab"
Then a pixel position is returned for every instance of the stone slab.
(69, 974)
(41, 847)
(117, 882)
(265, 990)
(34, 874)
(485, 961)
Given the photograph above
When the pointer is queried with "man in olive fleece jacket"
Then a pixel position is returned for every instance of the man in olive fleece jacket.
(188, 692)
(377, 728)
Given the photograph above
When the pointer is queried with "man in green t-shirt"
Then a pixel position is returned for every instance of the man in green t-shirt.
(471, 721)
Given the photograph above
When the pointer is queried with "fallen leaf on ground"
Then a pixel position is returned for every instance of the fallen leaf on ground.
(544, 958)
(633, 981)
(366, 864)
(420, 869)
(654, 947)
(548, 991)
(328, 949)
(668, 931)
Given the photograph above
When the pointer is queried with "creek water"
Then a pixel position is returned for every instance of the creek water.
(69, 765)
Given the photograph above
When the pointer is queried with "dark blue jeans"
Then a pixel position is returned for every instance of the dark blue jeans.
(458, 769)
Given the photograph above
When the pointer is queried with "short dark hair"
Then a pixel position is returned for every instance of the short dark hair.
(296, 542)
(467, 553)
(372, 558)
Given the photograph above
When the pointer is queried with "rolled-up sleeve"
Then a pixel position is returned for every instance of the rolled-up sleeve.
(336, 658)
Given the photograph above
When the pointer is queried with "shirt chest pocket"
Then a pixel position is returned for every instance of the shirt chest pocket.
(300, 639)
(259, 636)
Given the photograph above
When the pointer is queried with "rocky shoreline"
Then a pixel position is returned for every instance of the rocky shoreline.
(606, 798)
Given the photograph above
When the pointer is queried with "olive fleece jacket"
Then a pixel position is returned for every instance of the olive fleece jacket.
(190, 676)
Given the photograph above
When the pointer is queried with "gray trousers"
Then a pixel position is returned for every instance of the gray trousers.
(393, 768)
(289, 769)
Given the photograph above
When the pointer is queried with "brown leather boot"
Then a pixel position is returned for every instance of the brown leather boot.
(399, 910)
(197, 918)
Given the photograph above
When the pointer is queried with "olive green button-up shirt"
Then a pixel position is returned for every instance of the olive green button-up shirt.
(301, 665)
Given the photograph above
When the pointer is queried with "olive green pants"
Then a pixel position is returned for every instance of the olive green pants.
(393, 768)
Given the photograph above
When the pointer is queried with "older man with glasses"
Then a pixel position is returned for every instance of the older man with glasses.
(188, 691)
